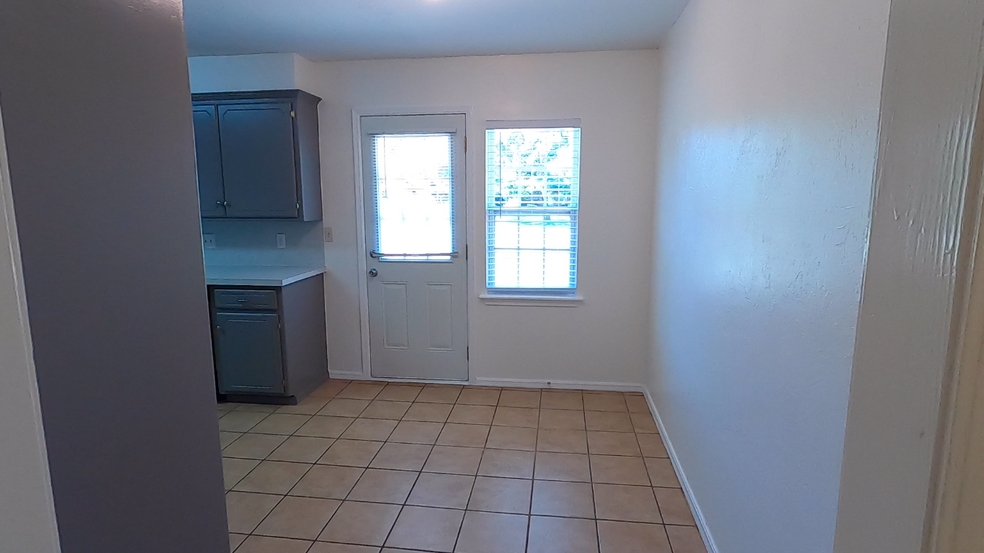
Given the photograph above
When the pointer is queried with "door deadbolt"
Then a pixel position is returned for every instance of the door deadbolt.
(373, 273)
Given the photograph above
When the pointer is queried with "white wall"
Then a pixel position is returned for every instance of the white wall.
(28, 513)
(767, 157)
(606, 338)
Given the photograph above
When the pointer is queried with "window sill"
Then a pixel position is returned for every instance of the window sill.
(519, 300)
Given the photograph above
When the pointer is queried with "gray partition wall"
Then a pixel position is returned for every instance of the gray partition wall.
(97, 113)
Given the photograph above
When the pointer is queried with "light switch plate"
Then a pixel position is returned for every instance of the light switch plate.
(281, 241)
(328, 236)
(209, 241)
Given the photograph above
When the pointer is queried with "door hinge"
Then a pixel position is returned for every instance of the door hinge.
(466, 144)
(466, 252)
(467, 353)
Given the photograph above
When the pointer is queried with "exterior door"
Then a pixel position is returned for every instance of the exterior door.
(415, 235)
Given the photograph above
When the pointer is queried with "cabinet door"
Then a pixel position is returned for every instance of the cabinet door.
(248, 355)
(209, 160)
(259, 168)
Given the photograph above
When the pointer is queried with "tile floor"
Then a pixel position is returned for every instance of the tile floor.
(363, 467)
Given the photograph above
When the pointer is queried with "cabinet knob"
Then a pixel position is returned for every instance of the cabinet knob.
(219, 203)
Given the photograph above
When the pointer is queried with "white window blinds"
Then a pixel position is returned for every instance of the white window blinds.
(532, 180)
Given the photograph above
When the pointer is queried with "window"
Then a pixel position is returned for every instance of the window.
(531, 205)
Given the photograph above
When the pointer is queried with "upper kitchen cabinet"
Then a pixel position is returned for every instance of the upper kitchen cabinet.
(258, 155)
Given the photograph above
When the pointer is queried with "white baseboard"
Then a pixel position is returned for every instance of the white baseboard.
(705, 532)
(560, 384)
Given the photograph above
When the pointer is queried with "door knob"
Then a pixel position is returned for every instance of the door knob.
(373, 273)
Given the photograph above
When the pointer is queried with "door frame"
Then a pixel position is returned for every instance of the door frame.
(360, 221)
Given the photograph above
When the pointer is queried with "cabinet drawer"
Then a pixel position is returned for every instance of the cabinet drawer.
(251, 300)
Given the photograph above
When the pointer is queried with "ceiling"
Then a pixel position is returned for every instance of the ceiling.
(368, 29)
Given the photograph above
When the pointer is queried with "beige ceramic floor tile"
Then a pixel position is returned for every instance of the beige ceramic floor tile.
(636, 403)
(560, 419)
(563, 499)
(391, 410)
(329, 389)
(492, 533)
(350, 453)
(454, 460)
(240, 421)
(607, 469)
(361, 390)
(613, 443)
(226, 438)
(257, 408)
(685, 539)
(235, 540)
(479, 396)
(344, 407)
(253, 446)
(605, 401)
(501, 495)
(661, 473)
(399, 392)
(562, 535)
(308, 406)
(632, 537)
(280, 423)
(674, 507)
(652, 445)
(370, 429)
(234, 470)
(564, 399)
(361, 523)
(261, 544)
(520, 398)
(472, 414)
(324, 427)
(439, 394)
(441, 490)
(509, 437)
(507, 463)
(644, 423)
(562, 441)
(327, 482)
(608, 421)
(301, 449)
(426, 528)
(272, 477)
(413, 432)
(465, 435)
(246, 510)
(429, 412)
(298, 517)
(516, 416)
(384, 486)
(570, 467)
(323, 547)
(401, 456)
(626, 503)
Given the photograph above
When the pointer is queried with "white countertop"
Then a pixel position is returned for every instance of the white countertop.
(258, 276)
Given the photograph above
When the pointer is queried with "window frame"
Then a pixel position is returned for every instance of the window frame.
(546, 297)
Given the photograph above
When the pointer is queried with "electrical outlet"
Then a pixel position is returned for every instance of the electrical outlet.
(209, 241)
(281, 241)
(328, 235)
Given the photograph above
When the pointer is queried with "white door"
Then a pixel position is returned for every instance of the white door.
(414, 170)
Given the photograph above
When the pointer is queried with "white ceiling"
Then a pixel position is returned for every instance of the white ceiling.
(366, 29)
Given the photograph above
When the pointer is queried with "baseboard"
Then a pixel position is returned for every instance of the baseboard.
(705, 532)
(560, 384)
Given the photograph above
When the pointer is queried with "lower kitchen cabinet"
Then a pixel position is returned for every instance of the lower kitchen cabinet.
(270, 343)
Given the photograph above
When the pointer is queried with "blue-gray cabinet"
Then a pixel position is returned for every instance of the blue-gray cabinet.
(269, 343)
(258, 155)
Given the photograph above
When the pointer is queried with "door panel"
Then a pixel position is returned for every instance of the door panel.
(248, 353)
(259, 160)
(414, 187)
(208, 157)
